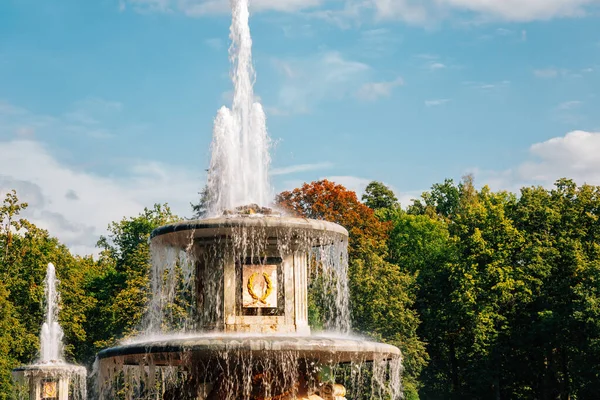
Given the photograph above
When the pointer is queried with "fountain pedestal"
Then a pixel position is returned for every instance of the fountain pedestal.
(251, 272)
(51, 381)
(244, 283)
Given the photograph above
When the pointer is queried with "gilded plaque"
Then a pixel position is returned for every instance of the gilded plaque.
(259, 286)
(49, 390)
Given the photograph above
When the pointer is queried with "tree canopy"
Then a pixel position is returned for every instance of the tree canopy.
(488, 294)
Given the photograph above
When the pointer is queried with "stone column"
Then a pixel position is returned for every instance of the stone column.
(301, 292)
(63, 388)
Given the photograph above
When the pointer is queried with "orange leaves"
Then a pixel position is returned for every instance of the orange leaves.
(332, 202)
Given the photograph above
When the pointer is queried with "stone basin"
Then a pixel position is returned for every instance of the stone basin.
(320, 349)
(211, 228)
(63, 378)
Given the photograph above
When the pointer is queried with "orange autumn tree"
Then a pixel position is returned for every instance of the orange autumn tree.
(382, 294)
(332, 202)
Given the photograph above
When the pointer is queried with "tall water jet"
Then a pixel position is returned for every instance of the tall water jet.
(51, 377)
(238, 172)
(52, 334)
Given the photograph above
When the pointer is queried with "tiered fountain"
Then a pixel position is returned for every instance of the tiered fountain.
(51, 377)
(229, 313)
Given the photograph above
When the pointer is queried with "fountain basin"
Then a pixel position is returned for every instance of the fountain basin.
(64, 381)
(320, 349)
(181, 233)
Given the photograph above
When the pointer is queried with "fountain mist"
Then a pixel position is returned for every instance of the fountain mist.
(238, 172)
(52, 334)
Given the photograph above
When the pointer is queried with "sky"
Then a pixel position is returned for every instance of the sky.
(107, 106)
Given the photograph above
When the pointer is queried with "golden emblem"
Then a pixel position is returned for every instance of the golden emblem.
(49, 390)
(262, 299)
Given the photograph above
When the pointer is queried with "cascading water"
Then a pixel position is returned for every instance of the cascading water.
(51, 377)
(238, 172)
(52, 334)
(228, 317)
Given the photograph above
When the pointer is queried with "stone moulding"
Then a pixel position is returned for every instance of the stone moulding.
(314, 348)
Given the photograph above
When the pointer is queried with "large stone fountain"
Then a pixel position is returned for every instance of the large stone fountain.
(229, 314)
(249, 299)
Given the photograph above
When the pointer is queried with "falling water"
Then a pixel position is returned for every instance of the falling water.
(238, 172)
(52, 334)
(188, 283)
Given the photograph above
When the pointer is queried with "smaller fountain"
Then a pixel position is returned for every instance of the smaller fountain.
(51, 378)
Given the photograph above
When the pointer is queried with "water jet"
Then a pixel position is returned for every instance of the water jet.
(51, 377)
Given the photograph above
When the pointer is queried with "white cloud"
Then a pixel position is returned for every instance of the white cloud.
(569, 105)
(292, 169)
(412, 11)
(547, 73)
(77, 206)
(354, 183)
(573, 156)
(69, 200)
(434, 66)
(488, 86)
(519, 10)
(345, 13)
(9, 109)
(436, 102)
(208, 7)
(379, 42)
(418, 11)
(374, 90)
(310, 80)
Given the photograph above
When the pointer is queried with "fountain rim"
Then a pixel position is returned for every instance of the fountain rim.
(340, 349)
(209, 227)
(51, 367)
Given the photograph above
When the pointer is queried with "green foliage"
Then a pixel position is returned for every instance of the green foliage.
(24, 255)
(378, 196)
(382, 294)
(121, 289)
(510, 307)
(200, 210)
(488, 294)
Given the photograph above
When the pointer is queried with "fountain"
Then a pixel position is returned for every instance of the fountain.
(228, 317)
(51, 377)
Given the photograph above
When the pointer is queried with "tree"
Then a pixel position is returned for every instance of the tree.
(332, 202)
(382, 295)
(378, 196)
(201, 209)
(10, 329)
(122, 289)
(560, 329)
(26, 252)
(442, 201)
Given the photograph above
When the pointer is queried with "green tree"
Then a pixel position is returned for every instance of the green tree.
(561, 330)
(121, 290)
(378, 196)
(200, 210)
(10, 329)
(442, 201)
(26, 252)
(382, 294)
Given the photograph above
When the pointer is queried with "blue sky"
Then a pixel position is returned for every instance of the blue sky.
(107, 106)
